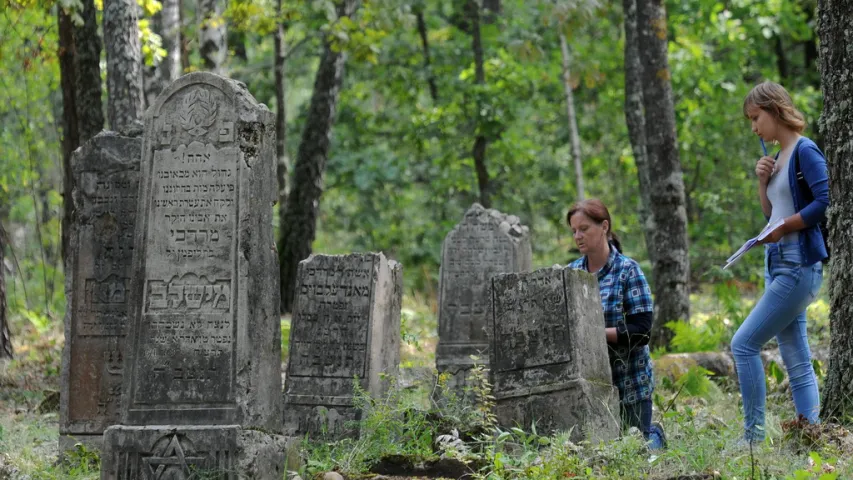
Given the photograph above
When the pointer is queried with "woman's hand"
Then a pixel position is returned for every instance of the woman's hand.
(775, 235)
(611, 334)
(765, 168)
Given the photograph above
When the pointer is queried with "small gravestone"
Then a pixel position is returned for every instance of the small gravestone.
(549, 360)
(486, 242)
(202, 371)
(98, 271)
(345, 328)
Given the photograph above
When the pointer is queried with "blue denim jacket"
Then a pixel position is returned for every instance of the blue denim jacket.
(816, 174)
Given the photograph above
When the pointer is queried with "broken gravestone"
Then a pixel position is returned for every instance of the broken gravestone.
(98, 270)
(345, 329)
(202, 372)
(486, 242)
(549, 360)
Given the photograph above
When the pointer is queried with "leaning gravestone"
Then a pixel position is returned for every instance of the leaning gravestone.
(486, 242)
(346, 324)
(203, 359)
(549, 360)
(106, 174)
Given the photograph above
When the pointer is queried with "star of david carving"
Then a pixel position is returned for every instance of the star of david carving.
(172, 455)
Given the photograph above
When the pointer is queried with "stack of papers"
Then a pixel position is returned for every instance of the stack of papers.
(753, 242)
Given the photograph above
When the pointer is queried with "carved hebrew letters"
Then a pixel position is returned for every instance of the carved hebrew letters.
(344, 329)
(106, 175)
(330, 333)
(186, 344)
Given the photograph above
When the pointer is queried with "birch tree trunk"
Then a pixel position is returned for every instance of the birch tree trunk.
(281, 121)
(299, 225)
(836, 69)
(165, 23)
(572, 118)
(124, 65)
(170, 32)
(213, 44)
(5, 334)
(671, 267)
(635, 119)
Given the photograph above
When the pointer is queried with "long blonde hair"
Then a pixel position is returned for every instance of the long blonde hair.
(775, 100)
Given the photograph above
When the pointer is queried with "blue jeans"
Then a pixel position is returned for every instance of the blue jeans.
(790, 287)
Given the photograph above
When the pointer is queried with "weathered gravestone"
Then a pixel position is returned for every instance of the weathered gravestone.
(346, 324)
(486, 242)
(202, 375)
(549, 361)
(98, 271)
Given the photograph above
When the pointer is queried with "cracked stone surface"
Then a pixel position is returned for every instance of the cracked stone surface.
(204, 340)
(485, 243)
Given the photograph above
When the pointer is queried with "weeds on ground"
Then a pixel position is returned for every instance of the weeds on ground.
(702, 422)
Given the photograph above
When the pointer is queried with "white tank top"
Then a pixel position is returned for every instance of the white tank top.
(781, 198)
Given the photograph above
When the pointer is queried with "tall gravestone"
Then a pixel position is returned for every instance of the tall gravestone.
(486, 242)
(202, 375)
(549, 360)
(98, 271)
(345, 326)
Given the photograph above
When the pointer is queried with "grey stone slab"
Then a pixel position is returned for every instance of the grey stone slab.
(204, 347)
(549, 361)
(345, 325)
(486, 242)
(226, 452)
(98, 272)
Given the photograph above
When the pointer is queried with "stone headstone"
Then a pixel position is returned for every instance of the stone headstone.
(345, 325)
(549, 360)
(98, 271)
(204, 347)
(486, 242)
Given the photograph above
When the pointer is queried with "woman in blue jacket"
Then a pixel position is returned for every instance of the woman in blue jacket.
(794, 253)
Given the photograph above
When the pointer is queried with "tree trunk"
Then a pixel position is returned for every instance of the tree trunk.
(303, 203)
(165, 23)
(781, 60)
(5, 333)
(124, 65)
(672, 264)
(183, 39)
(281, 122)
(836, 68)
(212, 35)
(422, 31)
(170, 32)
(88, 88)
(70, 134)
(634, 118)
(82, 111)
(572, 118)
(480, 142)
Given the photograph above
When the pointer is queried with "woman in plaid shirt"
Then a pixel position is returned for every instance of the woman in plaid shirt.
(627, 302)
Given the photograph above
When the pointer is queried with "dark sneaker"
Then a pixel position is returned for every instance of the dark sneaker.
(657, 437)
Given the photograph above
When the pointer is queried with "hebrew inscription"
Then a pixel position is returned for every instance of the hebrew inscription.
(106, 175)
(486, 242)
(345, 329)
(186, 342)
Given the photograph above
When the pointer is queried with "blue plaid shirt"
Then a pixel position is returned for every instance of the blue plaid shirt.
(624, 291)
